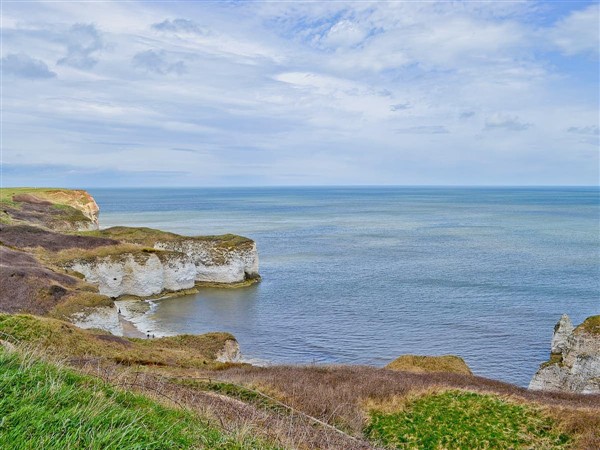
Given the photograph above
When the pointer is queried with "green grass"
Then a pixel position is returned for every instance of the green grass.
(63, 201)
(6, 194)
(149, 236)
(66, 340)
(69, 213)
(465, 420)
(590, 325)
(44, 406)
(243, 394)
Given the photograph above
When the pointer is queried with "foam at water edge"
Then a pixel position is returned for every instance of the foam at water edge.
(139, 313)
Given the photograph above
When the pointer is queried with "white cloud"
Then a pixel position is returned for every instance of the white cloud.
(579, 32)
(345, 33)
(382, 92)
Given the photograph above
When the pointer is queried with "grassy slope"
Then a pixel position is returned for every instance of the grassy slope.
(62, 199)
(49, 407)
(459, 419)
(61, 338)
(400, 405)
(6, 194)
(590, 325)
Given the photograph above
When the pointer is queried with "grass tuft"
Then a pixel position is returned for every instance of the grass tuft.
(590, 325)
(460, 419)
(423, 364)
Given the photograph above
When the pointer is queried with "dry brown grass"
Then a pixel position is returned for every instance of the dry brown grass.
(424, 364)
(590, 325)
(338, 394)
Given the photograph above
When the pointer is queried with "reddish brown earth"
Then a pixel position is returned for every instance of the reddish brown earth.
(24, 236)
(28, 286)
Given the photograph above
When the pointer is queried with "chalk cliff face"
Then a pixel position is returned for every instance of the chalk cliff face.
(215, 263)
(79, 200)
(142, 273)
(102, 318)
(574, 364)
(230, 352)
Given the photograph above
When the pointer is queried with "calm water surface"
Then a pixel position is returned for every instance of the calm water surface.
(362, 275)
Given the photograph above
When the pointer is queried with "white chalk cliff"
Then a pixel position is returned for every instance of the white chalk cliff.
(215, 263)
(574, 364)
(142, 274)
(172, 266)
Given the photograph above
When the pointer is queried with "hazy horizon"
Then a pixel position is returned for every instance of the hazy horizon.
(316, 186)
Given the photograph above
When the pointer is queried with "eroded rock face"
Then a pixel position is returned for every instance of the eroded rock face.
(574, 364)
(141, 274)
(102, 318)
(230, 352)
(563, 329)
(215, 263)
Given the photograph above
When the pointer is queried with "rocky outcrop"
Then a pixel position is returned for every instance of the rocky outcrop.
(230, 352)
(172, 265)
(562, 330)
(427, 364)
(574, 364)
(215, 263)
(142, 273)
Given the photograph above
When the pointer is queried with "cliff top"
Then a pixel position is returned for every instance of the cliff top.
(63, 339)
(424, 364)
(56, 209)
(591, 325)
(150, 236)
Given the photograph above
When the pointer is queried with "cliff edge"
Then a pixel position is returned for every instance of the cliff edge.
(55, 209)
(574, 364)
(56, 261)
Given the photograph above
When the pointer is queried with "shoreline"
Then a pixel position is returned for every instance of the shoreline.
(129, 329)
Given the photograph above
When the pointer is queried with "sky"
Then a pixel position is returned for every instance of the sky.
(277, 93)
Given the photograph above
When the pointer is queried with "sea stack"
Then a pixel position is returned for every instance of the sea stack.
(574, 364)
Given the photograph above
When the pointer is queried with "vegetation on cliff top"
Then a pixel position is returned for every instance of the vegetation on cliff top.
(47, 207)
(420, 364)
(54, 195)
(590, 325)
(51, 407)
(469, 420)
(63, 339)
(149, 237)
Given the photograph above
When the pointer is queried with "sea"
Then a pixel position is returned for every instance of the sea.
(361, 275)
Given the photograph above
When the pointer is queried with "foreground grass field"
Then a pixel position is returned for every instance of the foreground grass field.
(86, 389)
(47, 407)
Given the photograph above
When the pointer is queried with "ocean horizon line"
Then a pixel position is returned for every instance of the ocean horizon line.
(331, 186)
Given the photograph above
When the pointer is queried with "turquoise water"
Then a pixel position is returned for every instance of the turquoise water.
(362, 275)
